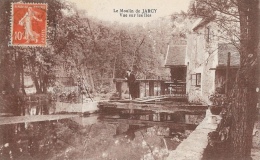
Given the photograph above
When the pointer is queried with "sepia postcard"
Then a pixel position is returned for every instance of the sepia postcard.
(129, 79)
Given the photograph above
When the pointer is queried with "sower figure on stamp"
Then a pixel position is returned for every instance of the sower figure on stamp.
(26, 21)
(130, 77)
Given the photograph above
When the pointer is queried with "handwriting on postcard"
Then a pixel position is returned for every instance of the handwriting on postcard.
(135, 13)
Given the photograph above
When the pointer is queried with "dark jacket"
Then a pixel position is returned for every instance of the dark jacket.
(130, 79)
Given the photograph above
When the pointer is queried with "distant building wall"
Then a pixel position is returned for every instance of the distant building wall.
(207, 48)
(200, 57)
(220, 80)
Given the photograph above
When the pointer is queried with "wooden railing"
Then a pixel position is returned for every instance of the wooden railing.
(154, 87)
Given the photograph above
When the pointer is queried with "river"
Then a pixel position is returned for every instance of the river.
(110, 133)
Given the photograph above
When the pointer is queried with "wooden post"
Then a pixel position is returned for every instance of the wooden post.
(144, 88)
(81, 90)
(151, 88)
(162, 88)
(227, 73)
(119, 89)
(157, 88)
(138, 87)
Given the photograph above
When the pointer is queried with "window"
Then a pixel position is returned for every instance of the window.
(196, 79)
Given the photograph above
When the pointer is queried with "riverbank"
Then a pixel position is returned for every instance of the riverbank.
(33, 118)
(194, 146)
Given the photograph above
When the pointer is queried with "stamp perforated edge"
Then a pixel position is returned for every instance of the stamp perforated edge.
(10, 43)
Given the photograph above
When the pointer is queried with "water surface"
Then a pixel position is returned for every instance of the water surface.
(109, 134)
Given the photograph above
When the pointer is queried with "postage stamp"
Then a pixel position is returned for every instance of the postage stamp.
(29, 24)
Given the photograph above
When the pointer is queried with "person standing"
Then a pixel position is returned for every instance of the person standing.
(130, 77)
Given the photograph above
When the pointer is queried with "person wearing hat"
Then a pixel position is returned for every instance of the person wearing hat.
(130, 77)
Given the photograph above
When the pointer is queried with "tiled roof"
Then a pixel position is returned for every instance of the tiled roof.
(202, 22)
(176, 55)
(223, 49)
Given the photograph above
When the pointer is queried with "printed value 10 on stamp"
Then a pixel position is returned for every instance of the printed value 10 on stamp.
(29, 24)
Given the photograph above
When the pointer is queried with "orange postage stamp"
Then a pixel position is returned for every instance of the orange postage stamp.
(29, 24)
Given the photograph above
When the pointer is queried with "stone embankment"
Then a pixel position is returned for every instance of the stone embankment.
(33, 118)
(193, 147)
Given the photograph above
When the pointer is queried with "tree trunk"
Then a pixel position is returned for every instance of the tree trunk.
(18, 66)
(36, 83)
(92, 80)
(44, 83)
(40, 78)
(5, 65)
(34, 78)
(102, 76)
(242, 109)
(22, 70)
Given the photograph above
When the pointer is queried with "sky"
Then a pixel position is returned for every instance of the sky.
(106, 9)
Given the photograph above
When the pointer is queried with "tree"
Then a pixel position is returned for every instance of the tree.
(243, 107)
(84, 46)
(243, 98)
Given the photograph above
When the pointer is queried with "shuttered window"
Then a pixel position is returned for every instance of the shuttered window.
(196, 79)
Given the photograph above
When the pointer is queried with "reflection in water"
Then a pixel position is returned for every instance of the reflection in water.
(20, 142)
(35, 108)
(113, 134)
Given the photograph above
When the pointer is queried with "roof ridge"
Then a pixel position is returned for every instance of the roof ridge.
(180, 45)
